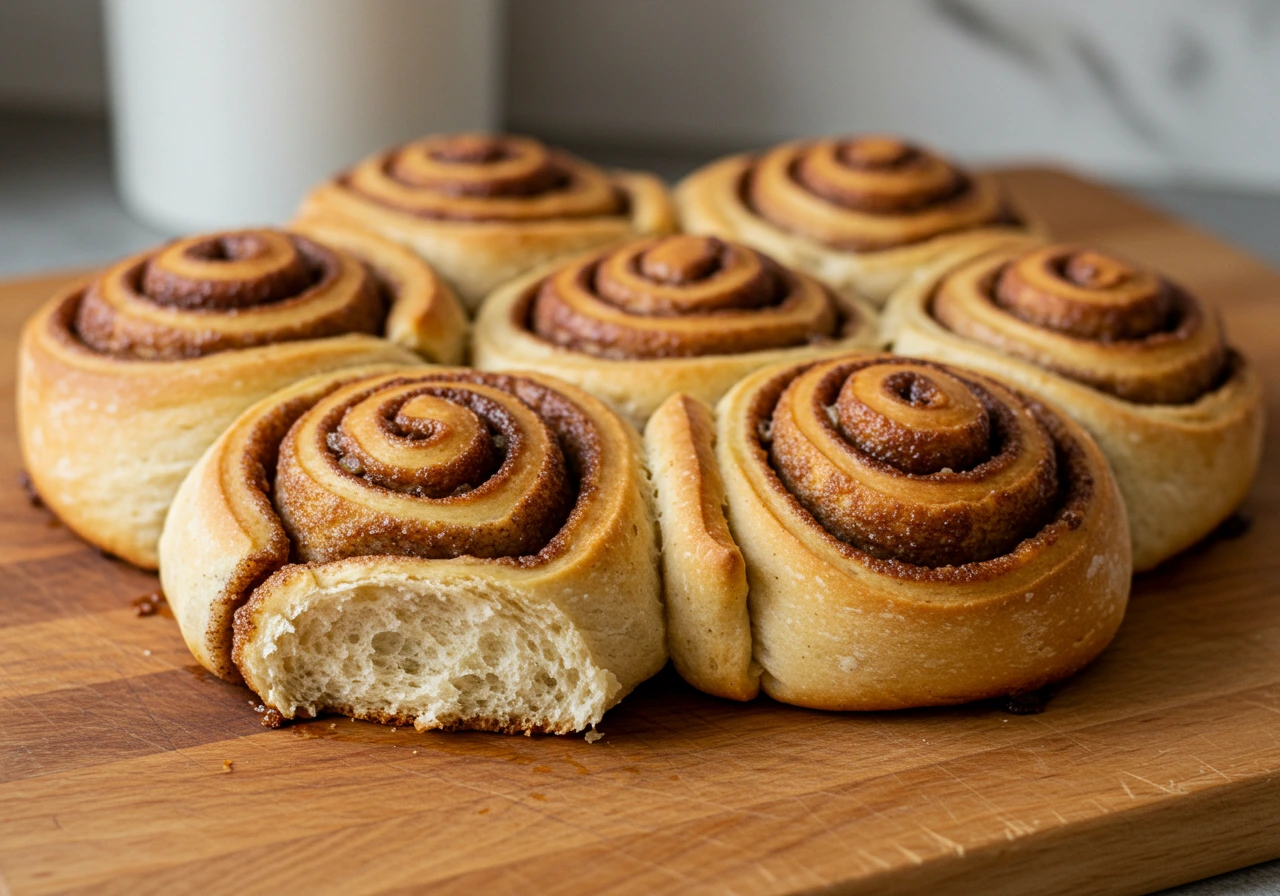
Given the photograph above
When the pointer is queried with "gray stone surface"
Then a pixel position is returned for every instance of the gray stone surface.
(58, 209)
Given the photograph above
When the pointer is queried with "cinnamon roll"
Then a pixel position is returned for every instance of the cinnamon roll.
(484, 209)
(436, 547)
(1138, 361)
(125, 381)
(899, 533)
(860, 213)
(642, 321)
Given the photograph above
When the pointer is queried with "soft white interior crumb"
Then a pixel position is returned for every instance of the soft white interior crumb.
(440, 655)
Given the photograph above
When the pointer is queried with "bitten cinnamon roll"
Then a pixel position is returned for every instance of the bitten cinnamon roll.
(642, 321)
(485, 208)
(1138, 361)
(436, 547)
(860, 213)
(125, 381)
(899, 533)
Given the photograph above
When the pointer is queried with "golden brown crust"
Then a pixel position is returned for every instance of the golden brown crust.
(208, 294)
(860, 213)
(868, 193)
(229, 541)
(1090, 317)
(1136, 360)
(704, 575)
(483, 209)
(423, 312)
(124, 381)
(381, 523)
(642, 321)
(843, 625)
(107, 442)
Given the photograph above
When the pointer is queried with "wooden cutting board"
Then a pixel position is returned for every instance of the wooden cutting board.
(123, 769)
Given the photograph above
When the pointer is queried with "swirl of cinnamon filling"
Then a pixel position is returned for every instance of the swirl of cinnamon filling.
(213, 293)
(683, 296)
(434, 467)
(1090, 317)
(478, 177)
(913, 462)
(868, 193)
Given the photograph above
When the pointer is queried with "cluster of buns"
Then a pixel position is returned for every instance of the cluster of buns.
(348, 520)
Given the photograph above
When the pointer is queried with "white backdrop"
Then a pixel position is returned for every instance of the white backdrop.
(1133, 88)
(1146, 88)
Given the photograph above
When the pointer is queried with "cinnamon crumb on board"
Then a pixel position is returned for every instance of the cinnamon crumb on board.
(25, 483)
(151, 604)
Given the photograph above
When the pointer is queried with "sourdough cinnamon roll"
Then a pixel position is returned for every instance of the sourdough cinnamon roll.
(485, 208)
(642, 321)
(903, 534)
(860, 213)
(436, 547)
(1141, 363)
(123, 382)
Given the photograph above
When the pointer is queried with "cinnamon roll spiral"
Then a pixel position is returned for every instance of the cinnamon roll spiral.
(639, 322)
(1141, 363)
(912, 534)
(858, 212)
(484, 208)
(444, 548)
(126, 380)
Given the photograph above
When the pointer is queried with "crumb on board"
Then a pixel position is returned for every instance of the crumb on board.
(151, 604)
(592, 736)
(228, 765)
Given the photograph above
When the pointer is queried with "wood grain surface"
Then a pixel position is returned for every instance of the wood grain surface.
(125, 770)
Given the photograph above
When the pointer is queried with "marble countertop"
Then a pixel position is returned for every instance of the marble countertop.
(58, 209)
